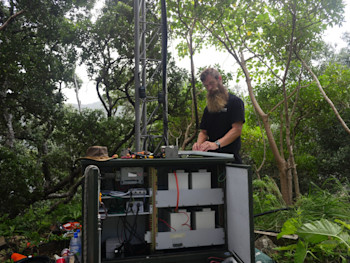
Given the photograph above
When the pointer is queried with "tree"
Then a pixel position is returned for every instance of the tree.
(264, 38)
(107, 50)
(37, 56)
(185, 26)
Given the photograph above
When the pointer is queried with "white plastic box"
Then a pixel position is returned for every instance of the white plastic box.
(204, 219)
(182, 179)
(201, 179)
(180, 221)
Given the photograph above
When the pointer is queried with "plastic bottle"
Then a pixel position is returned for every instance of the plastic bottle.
(79, 233)
(75, 247)
(65, 254)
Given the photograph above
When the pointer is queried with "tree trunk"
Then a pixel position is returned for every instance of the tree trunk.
(280, 162)
(10, 138)
(193, 83)
(295, 177)
(76, 89)
(10, 135)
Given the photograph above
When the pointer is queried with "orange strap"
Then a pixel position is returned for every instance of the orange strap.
(16, 257)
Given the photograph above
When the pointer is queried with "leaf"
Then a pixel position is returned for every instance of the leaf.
(289, 227)
(343, 223)
(319, 231)
(345, 237)
(289, 247)
(300, 252)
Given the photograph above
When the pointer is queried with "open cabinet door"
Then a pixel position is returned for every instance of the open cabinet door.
(239, 209)
(91, 250)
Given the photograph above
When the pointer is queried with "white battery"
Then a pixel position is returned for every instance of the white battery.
(201, 179)
(180, 221)
(204, 219)
(182, 179)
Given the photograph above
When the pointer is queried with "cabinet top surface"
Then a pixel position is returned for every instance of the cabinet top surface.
(159, 161)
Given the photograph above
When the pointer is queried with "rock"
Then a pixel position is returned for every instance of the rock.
(265, 245)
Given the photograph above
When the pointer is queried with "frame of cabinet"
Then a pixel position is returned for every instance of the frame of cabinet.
(149, 237)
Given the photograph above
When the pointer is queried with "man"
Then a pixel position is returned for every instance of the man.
(222, 120)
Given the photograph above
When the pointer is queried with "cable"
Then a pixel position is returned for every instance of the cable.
(118, 193)
(221, 178)
(214, 259)
(104, 209)
(177, 202)
(103, 205)
(166, 223)
(130, 228)
(273, 211)
(134, 227)
(178, 192)
(188, 219)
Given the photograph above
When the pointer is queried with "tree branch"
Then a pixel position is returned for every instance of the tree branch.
(328, 100)
(10, 19)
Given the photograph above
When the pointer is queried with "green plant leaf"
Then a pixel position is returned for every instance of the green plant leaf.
(343, 223)
(300, 252)
(289, 227)
(344, 236)
(285, 248)
(319, 231)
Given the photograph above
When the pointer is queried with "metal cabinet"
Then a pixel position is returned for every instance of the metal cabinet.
(167, 210)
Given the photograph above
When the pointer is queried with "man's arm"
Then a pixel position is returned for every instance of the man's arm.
(228, 138)
(202, 137)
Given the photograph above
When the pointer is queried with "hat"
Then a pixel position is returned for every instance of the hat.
(98, 153)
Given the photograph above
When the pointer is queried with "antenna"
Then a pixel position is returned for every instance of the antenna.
(143, 136)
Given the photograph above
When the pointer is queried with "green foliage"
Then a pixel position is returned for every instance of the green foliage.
(20, 178)
(331, 201)
(322, 240)
(37, 226)
(185, 26)
(320, 219)
(267, 197)
(37, 57)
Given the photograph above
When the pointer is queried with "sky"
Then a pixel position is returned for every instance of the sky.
(88, 94)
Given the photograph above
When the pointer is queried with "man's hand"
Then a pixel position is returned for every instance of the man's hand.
(207, 145)
(196, 147)
(202, 137)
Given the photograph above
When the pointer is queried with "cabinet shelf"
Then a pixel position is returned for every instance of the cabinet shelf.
(191, 238)
(190, 197)
(103, 216)
(125, 196)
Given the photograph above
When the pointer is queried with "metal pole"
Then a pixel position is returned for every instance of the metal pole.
(91, 219)
(137, 75)
(143, 74)
(164, 71)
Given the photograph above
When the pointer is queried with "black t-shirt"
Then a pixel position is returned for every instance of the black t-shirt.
(217, 124)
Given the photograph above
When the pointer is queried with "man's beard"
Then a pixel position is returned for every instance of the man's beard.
(217, 99)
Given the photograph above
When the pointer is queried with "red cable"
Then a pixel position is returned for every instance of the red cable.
(178, 192)
(166, 223)
(216, 258)
(177, 202)
(188, 219)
